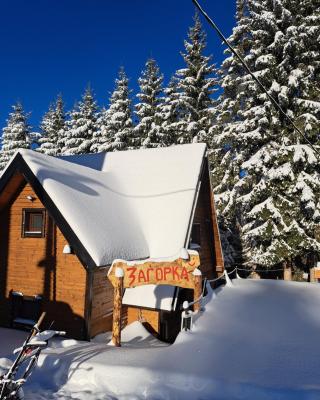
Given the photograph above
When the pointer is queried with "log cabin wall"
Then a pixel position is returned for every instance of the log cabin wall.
(102, 303)
(38, 266)
(210, 250)
(102, 307)
(149, 318)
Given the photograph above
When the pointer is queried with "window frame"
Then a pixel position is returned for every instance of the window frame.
(30, 234)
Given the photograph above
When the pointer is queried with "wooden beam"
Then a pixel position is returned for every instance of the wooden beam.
(117, 306)
(197, 276)
(217, 241)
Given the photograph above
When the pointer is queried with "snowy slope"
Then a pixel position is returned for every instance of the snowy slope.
(257, 340)
(129, 205)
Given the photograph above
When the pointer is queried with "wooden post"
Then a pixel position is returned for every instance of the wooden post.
(197, 276)
(311, 275)
(287, 273)
(117, 305)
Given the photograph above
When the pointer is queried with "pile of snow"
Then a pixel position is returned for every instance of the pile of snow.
(255, 340)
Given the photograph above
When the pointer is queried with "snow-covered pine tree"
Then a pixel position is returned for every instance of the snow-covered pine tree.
(100, 140)
(117, 133)
(169, 114)
(270, 183)
(81, 126)
(15, 135)
(52, 129)
(148, 109)
(195, 85)
(225, 148)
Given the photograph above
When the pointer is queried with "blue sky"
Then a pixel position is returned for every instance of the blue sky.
(59, 46)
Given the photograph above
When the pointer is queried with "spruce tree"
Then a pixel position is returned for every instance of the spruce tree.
(100, 141)
(266, 177)
(148, 110)
(15, 135)
(195, 85)
(169, 114)
(81, 126)
(117, 133)
(52, 129)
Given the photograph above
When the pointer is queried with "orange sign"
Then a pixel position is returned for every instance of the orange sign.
(317, 273)
(176, 273)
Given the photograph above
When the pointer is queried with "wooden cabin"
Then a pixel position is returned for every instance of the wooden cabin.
(64, 220)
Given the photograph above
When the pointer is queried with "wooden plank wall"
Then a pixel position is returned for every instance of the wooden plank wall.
(38, 266)
(102, 303)
(210, 253)
(150, 318)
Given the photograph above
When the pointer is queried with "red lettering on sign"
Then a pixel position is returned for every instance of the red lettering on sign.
(175, 273)
(192, 263)
(148, 273)
(141, 276)
(184, 274)
(166, 271)
(159, 274)
(132, 275)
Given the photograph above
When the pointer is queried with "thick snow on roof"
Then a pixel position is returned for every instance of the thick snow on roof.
(130, 205)
(151, 296)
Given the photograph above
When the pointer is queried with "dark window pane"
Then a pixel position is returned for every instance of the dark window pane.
(36, 221)
(33, 223)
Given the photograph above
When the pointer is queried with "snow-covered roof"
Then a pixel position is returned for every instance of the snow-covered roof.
(151, 296)
(130, 204)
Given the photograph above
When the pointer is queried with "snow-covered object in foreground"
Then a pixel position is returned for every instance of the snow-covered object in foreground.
(255, 341)
(130, 205)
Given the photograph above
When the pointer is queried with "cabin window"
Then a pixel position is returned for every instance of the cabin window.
(195, 234)
(33, 222)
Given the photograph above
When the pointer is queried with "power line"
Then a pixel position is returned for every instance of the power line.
(257, 80)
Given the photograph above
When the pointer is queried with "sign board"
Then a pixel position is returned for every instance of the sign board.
(179, 272)
(176, 273)
(317, 273)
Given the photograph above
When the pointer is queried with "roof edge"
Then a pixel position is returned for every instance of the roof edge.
(196, 195)
(18, 164)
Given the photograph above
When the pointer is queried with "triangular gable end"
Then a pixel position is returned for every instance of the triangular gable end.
(13, 177)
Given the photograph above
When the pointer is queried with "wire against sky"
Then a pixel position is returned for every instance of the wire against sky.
(257, 80)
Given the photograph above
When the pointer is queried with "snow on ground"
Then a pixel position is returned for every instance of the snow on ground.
(258, 340)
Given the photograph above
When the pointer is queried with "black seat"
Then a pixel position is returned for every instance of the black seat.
(26, 310)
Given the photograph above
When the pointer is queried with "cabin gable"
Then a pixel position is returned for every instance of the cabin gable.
(37, 265)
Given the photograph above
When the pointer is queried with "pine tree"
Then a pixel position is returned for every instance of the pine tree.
(225, 158)
(148, 110)
(81, 126)
(52, 129)
(117, 133)
(100, 140)
(15, 135)
(267, 179)
(169, 114)
(195, 85)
